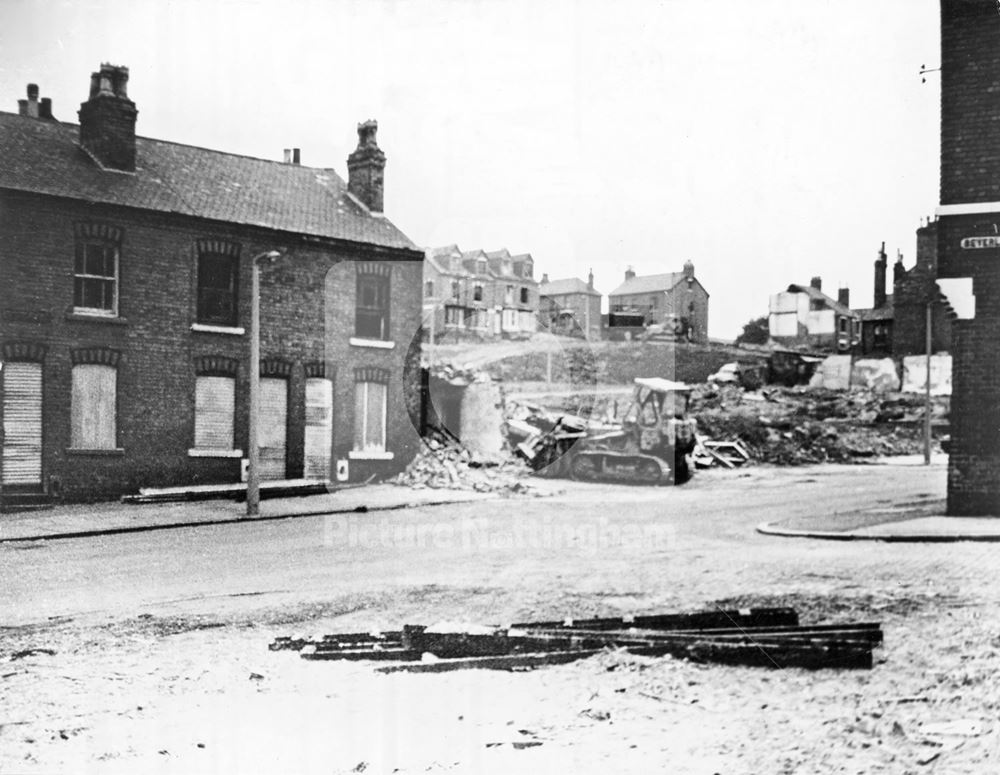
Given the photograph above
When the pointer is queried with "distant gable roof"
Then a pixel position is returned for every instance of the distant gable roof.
(650, 283)
(886, 312)
(818, 295)
(568, 285)
(44, 157)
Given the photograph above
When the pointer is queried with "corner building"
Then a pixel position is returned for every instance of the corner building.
(125, 304)
(969, 247)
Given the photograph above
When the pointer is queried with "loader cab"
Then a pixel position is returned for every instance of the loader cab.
(657, 401)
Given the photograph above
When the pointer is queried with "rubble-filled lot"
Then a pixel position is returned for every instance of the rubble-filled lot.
(165, 666)
(793, 426)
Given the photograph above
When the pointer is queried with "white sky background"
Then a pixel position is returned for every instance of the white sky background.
(766, 141)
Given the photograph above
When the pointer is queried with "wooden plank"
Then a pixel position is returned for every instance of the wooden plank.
(698, 620)
(374, 655)
(508, 662)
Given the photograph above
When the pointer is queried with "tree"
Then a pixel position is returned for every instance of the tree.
(755, 332)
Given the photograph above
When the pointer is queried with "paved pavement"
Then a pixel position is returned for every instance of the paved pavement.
(905, 519)
(83, 520)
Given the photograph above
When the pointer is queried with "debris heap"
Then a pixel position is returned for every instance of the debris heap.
(444, 463)
(796, 426)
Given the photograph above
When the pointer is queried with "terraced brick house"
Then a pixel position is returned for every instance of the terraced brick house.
(126, 265)
(478, 295)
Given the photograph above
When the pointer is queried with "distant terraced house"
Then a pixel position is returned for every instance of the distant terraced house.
(479, 295)
(125, 315)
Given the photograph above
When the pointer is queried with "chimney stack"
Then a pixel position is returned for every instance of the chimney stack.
(629, 273)
(107, 119)
(689, 270)
(590, 279)
(817, 283)
(880, 268)
(545, 277)
(898, 270)
(844, 297)
(32, 108)
(296, 156)
(366, 168)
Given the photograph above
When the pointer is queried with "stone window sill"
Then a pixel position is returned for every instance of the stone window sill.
(114, 452)
(380, 344)
(233, 453)
(359, 454)
(76, 316)
(207, 329)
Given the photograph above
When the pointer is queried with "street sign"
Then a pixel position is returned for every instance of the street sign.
(973, 243)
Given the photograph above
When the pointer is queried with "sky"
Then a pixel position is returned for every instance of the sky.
(767, 142)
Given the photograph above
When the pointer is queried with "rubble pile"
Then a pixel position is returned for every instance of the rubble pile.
(443, 463)
(794, 426)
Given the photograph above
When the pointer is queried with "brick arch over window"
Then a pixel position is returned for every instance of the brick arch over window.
(275, 367)
(371, 374)
(92, 230)
(219, 246)
(319, 369)
(31, 352)
(103, 356)
(215, 366)
(376, 268)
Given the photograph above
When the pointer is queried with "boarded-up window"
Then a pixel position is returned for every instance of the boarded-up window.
(369, 416)
(22, 423)
(214, 406)
(92, 411)
(272, 429)
(319, 427)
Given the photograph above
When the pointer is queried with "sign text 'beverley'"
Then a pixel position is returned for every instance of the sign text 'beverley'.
(981, 242)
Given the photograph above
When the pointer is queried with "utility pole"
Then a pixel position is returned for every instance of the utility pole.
(927, 388)
(253, 454)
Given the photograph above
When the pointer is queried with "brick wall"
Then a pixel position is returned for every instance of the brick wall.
(153, 333)
(970, 172)
(970, 80)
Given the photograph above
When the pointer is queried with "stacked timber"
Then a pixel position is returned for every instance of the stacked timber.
(765, 637)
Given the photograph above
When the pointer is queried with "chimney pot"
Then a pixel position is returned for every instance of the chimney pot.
(30, 104)
(817, 283)
(288, 156)
(295, 156)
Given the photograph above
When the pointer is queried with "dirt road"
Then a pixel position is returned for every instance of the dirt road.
(160, 658)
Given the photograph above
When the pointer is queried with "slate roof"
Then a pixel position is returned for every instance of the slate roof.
(886, 312)
(568, 285)
(818, 295)
(650, 283)
(44, 157)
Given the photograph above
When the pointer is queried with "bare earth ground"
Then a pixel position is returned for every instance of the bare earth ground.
(160, 660)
